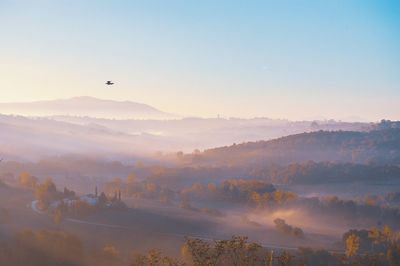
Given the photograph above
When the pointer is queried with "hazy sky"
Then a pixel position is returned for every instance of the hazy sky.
(280, 59)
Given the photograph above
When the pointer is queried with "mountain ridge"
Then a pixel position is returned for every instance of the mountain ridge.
(86, 106)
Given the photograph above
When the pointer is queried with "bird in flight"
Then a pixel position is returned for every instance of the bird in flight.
(109, 82)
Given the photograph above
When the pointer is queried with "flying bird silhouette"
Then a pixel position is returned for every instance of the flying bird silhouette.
(109, 82)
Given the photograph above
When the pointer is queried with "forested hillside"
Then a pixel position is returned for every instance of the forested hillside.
(377, 146)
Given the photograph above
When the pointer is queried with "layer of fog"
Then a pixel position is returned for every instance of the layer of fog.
(33, 138)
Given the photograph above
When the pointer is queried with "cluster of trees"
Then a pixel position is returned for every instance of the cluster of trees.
(272, 199)
(382, 246)
(66, 202)
(389, 199)
(372, 240)
(231, 190)
(47, 192)
(350, 210)
(302, 173)
(77, 207)
(132, 187)
(261, 194)
(286, 229)
(354, 211)
(326, 173)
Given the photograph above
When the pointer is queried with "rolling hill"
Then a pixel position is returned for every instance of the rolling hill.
(375, 146)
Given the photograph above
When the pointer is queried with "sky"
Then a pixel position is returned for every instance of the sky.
(297, 59)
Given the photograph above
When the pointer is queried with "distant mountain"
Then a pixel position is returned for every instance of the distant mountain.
(375, 146)
(85, 106)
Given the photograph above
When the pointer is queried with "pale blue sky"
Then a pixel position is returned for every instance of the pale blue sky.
(280, 59)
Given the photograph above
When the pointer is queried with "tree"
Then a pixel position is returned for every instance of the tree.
(46, 192)
(352, 245)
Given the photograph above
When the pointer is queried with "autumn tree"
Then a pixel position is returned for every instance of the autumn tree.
(352, 245)
(47, 192)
